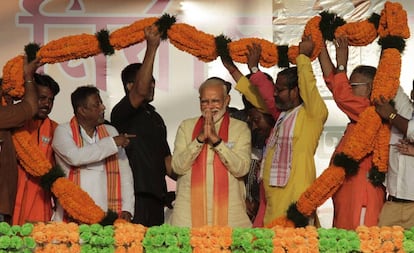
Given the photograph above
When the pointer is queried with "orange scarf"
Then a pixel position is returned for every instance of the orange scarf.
(198, 182)
(111, 165)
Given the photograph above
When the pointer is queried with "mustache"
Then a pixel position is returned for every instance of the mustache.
(212, 111)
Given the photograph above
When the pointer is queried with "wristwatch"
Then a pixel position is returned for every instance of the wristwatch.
(341, 67)
(254, 70)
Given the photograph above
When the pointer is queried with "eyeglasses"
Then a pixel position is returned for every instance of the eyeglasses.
(356, 84)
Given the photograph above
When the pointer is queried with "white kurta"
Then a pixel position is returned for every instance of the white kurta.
(400, 176)
(91, 159)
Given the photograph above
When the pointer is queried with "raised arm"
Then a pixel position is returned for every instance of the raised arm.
(259, 79)
(144, 80)
(231, 68)
(325, 62)
(312, 100)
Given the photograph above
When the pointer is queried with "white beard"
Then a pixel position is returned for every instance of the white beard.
(219, 114)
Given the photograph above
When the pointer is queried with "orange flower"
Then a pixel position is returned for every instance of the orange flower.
(13, 82)
(387, 79)
(69, 48)
(359, 33)
(211, 239)
(282, 221)
(131, 34)
(76, 202)
(362, 136)
(321, 189)
(381, 148)
(269, 55)
(30, 156)
(312, 29)
(187, 38)
(393, 21)
(128, 236)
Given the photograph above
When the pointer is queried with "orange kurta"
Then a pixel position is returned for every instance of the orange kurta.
(32, 202)
(356, 192)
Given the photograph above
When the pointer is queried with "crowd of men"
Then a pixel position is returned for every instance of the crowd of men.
(233, 167)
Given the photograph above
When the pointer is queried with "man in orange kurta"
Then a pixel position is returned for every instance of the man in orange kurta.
(357, 202)
(33, 203)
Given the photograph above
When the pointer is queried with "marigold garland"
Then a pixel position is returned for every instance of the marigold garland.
(322, 189)
(187, 38)
(388, 72)
(31, 158)
(393, 22)
(382, 148)
(312, 29)
(360, 33)
(68, 48)
(13, 77)
(362, 136)
(82, 207)
(131, 34)
(269, 55)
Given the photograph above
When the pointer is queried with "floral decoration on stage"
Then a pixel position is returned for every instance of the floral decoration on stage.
(124, 237)
(390, 26)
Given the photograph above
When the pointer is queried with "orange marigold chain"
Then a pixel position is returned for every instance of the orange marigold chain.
(293, 52)
(388, 72)
(362, 136)
(382, 148)
(360, 33)
(77, 202)
(13, 77)
(131, 34)
(322, 189)
(31, 158)
(312, 29)
(187, 38)
(269, 55)
(393, 21)
(69, 48)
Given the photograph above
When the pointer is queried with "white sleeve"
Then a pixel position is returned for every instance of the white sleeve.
(66, 148)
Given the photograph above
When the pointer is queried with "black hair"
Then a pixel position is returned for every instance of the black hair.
(228, 86)
(129, 73)
(291, 75)
(47, 81)
(246, 103)
(81, 94)
(270, 120)
(365, 70)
